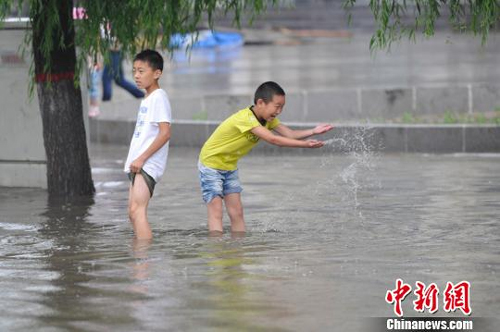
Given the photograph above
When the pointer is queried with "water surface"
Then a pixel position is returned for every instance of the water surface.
(328, 236)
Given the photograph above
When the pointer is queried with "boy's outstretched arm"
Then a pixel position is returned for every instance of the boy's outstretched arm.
(299, 134)
(162, 138)
(271, 138)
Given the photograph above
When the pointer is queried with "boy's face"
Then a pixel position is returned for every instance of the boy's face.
(272, 109)
(144, 75)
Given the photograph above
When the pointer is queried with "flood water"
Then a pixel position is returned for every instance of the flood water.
(328, 235)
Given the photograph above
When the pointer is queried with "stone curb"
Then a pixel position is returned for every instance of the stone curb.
(383, 104)
(344, 138)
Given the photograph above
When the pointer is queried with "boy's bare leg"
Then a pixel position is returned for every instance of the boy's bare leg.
(235, 211)
(137, 208)
(214, 208)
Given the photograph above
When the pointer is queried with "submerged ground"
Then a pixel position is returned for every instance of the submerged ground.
(328, 236)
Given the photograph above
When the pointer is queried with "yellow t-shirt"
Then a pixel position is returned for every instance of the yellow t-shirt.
(232, 140)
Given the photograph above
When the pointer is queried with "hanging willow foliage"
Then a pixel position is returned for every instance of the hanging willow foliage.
(133, 24)
(398, 18)
(139, 24)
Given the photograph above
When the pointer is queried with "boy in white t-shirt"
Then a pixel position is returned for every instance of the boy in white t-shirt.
(147, 156)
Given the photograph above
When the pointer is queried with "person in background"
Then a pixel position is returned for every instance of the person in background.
(113, 71)
(95, 76)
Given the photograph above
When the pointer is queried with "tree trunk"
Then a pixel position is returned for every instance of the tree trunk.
(68, 167)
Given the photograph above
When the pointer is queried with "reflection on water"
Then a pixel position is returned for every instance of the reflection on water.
(313, 257)
(231, 299)
(75, 257)
(140, 268)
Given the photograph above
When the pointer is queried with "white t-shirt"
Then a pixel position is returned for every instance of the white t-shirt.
(154, 108)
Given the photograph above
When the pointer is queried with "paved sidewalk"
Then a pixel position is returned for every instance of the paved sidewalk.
(335, 80)
(329, 75)
(331, 79)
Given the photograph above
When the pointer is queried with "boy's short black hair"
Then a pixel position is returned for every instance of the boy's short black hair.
(153, 58)
(267, 90)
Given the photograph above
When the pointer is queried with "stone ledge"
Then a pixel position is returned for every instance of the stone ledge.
(354, 137)
(382, 104)
(23, 174)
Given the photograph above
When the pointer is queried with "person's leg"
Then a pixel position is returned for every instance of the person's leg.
(138, 203)
(235, 211)
(120, 78)
(214, 209)
(107, 83)
(130, 87)
(211, 190)
(95, 81)
(231, 191)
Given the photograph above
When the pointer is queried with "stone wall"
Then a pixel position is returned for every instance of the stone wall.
(352, 105)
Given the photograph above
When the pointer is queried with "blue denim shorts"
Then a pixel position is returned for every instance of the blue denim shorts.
(215, 182)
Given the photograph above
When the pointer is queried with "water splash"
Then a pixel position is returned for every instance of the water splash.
(339, 193)
(360, 145)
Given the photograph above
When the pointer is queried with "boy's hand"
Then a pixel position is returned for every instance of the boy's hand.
(312, 143)
(136, 165)
(322, 128)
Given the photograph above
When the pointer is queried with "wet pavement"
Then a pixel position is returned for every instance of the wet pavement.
(339, 63)
(328, 236)
(334, 80)
(329, 233)
(310, 64)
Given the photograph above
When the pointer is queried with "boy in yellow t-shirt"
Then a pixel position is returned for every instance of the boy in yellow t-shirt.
(234, 138)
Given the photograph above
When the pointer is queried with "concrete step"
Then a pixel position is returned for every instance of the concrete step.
(334, 105)
(343, 138)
